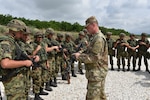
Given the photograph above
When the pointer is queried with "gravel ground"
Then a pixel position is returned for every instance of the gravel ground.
(119, 86)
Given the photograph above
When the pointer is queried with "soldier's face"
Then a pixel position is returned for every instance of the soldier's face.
(18, 35)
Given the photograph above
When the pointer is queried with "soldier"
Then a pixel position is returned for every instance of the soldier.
(70, 46)
(13, 70)
(142, 50)
(38, 73)
(86, 34)
(53, 69)
(111, 51)
(121, 45)
(81, 43)
(96, 61)
(60, 56)
(132, 53)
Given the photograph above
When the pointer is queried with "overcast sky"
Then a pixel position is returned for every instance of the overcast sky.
(130, 15)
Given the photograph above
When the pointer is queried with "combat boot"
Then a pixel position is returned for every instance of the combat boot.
(118, 68)
(123, 69)
(47, 87)
(55, 80)
(42, 92)
(73, 73)
(128, 68)
(64, 77)
(52, 83)
(37, 97)
(112, 68)
(81, 72)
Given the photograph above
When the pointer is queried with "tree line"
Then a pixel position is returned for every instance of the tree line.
(59, 26)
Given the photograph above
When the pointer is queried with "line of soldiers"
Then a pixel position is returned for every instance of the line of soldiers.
(132, 48)
(40, 60)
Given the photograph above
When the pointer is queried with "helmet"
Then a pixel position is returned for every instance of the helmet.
(38, 34)
(16, 25)
(59, 35)
(81, 33)
(122, 35)
(49, 31)
(143, 34)
(109, 33)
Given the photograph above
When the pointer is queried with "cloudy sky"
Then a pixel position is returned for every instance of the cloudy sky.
(131, 15)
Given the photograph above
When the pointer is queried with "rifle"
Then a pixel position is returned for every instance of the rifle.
(20, 55)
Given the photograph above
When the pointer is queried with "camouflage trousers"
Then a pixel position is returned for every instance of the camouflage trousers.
(44, 74)
(80, 65)
(27, 81)
(37, 79)
(15, 88)
(59, 64)
(121, 57)
(140, 54)
(132, 54)
(96, 82)
(51, 68)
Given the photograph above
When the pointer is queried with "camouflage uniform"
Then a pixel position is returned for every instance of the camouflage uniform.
(82, 46)
(59, 56)
(26, 71)
(40, 74)
(111, 51)
(96, 68)
(96, 64)
(14, 86)
(131, 53)
(121, 53)
(142, 51)
(53, 69)
(70, 46)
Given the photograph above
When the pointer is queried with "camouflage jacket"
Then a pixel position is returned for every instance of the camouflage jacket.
(97, 51)
(143, 48)
(42, 52)
(132, 43)
(50, 43)
(110, 43)
(120, 49)
(82, 44)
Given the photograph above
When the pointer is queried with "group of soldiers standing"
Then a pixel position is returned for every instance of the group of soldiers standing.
(39, 60)
(132, 49)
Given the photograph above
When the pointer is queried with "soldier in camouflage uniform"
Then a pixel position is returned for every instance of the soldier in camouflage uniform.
(121, 45)
(70, 46)
(39, 74)
(60, 56)
(53, 69)
(14, 85)
(111, 51)
(86, 34)
(96, 61)
(142, 50)
(82, 43)
(132, 53)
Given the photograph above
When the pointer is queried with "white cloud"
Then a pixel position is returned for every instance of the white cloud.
(131, 15)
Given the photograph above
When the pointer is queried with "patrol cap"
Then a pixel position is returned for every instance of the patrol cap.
(59, 35)
(27, 31)
(122, 35)
(38, 34)
(16, 25)
(49, 31)
(90, 20)
(81, 33)
(109, 33)
(143, 34)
